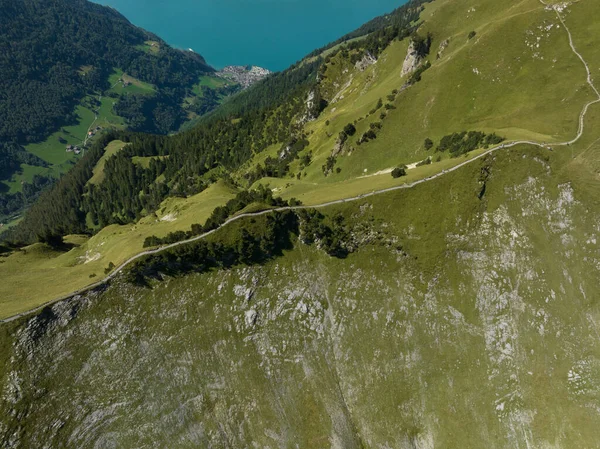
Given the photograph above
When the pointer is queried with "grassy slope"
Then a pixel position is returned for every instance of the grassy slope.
(144, 161)
(58, 273)
(503, 97)
(214, 82)
(53, 151)
(111, 149)
(498, 293)
(135, 86)
(507, 23)
(466, 323)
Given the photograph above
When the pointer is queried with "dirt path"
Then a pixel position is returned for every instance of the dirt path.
(590, 81)
(411, 185)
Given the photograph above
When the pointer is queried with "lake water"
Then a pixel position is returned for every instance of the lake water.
(268, 33)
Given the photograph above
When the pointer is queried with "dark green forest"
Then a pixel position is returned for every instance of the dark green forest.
(44, 46)
(249, 241)
(45, 43)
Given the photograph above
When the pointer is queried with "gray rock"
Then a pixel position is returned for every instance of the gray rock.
(251, 316)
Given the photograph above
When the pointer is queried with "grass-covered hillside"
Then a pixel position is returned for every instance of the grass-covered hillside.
(293, 142)
(517, 77)
(446, 298)
(457, 322)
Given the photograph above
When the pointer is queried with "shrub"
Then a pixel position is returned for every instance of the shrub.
(416, 76)
(369, 135)
(463, 142)
(399, 172)
(349, 129)
(428, 144)
(424, 162)
(110, 267)
(472, 34)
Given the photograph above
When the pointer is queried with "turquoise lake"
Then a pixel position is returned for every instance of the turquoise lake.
(268, 33)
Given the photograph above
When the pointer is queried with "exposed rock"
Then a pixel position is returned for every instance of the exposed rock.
(251, 316)
(311, 113)
(283, 154)
(442, 48)
(302, 307)
(337, 149)
(412, 60)
(366, 61)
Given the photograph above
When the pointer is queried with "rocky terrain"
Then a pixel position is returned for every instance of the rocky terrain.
(476, 327)
(462, 313)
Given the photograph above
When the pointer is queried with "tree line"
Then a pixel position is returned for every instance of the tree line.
(401, 18)
(262, 195)
(463, 142)
(249, 241)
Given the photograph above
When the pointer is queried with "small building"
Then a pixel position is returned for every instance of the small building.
(77, 151)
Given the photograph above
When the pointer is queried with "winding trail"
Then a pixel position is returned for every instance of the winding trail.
(411, 185)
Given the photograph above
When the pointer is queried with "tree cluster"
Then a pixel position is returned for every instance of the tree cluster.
(12, 204)
(252, 241)
(382, 29)
(46, 45)
(56, 53)
(398, 172)
(59, 211)
(279, 167)
(330, 234)
(463, 142)
(262, 195)
(417, 74)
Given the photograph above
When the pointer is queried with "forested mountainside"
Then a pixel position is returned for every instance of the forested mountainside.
(392, 244)
(69, 68)
(55, 52)
(270, 112)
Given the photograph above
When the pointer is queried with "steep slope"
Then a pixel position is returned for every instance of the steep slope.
(356, 169)
(518, 77)
(454, 310)
(458, 311)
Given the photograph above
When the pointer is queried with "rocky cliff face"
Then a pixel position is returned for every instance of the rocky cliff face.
(366, 61)
(456, 312)
(412, 60)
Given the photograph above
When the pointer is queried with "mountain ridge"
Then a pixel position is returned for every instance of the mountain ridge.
(435, 231)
